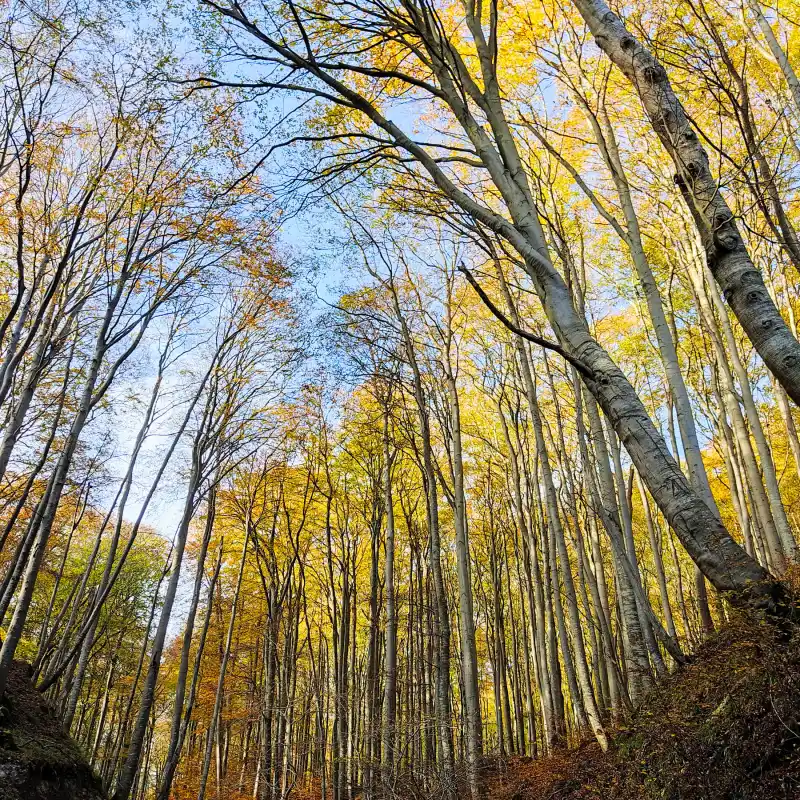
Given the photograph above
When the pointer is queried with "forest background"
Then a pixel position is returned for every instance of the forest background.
(387, 385)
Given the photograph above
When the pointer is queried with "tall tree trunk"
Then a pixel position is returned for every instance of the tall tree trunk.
(223, 668)
(466, 614)
(442, 618)
(390, 654)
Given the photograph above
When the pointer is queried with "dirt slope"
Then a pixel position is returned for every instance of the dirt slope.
(724, 727)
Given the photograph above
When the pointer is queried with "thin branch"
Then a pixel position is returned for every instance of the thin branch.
(531, 337)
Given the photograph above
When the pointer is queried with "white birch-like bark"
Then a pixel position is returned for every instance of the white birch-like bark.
(727, 257)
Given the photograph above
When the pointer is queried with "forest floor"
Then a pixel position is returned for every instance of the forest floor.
(724, 726)
(38, 760)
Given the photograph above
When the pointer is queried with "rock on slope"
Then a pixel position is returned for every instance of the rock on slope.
(38, 760)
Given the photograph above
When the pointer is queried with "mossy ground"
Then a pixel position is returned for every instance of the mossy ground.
(38, 760)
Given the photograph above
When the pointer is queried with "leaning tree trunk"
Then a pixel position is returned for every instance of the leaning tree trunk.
(136, 745)
(730, 263)
(173, 751)
(45, 515)
(706, 540)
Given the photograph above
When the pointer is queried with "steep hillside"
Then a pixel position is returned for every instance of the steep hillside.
(724, 727)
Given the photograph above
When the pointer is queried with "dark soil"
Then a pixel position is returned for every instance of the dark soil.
(38, 759)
